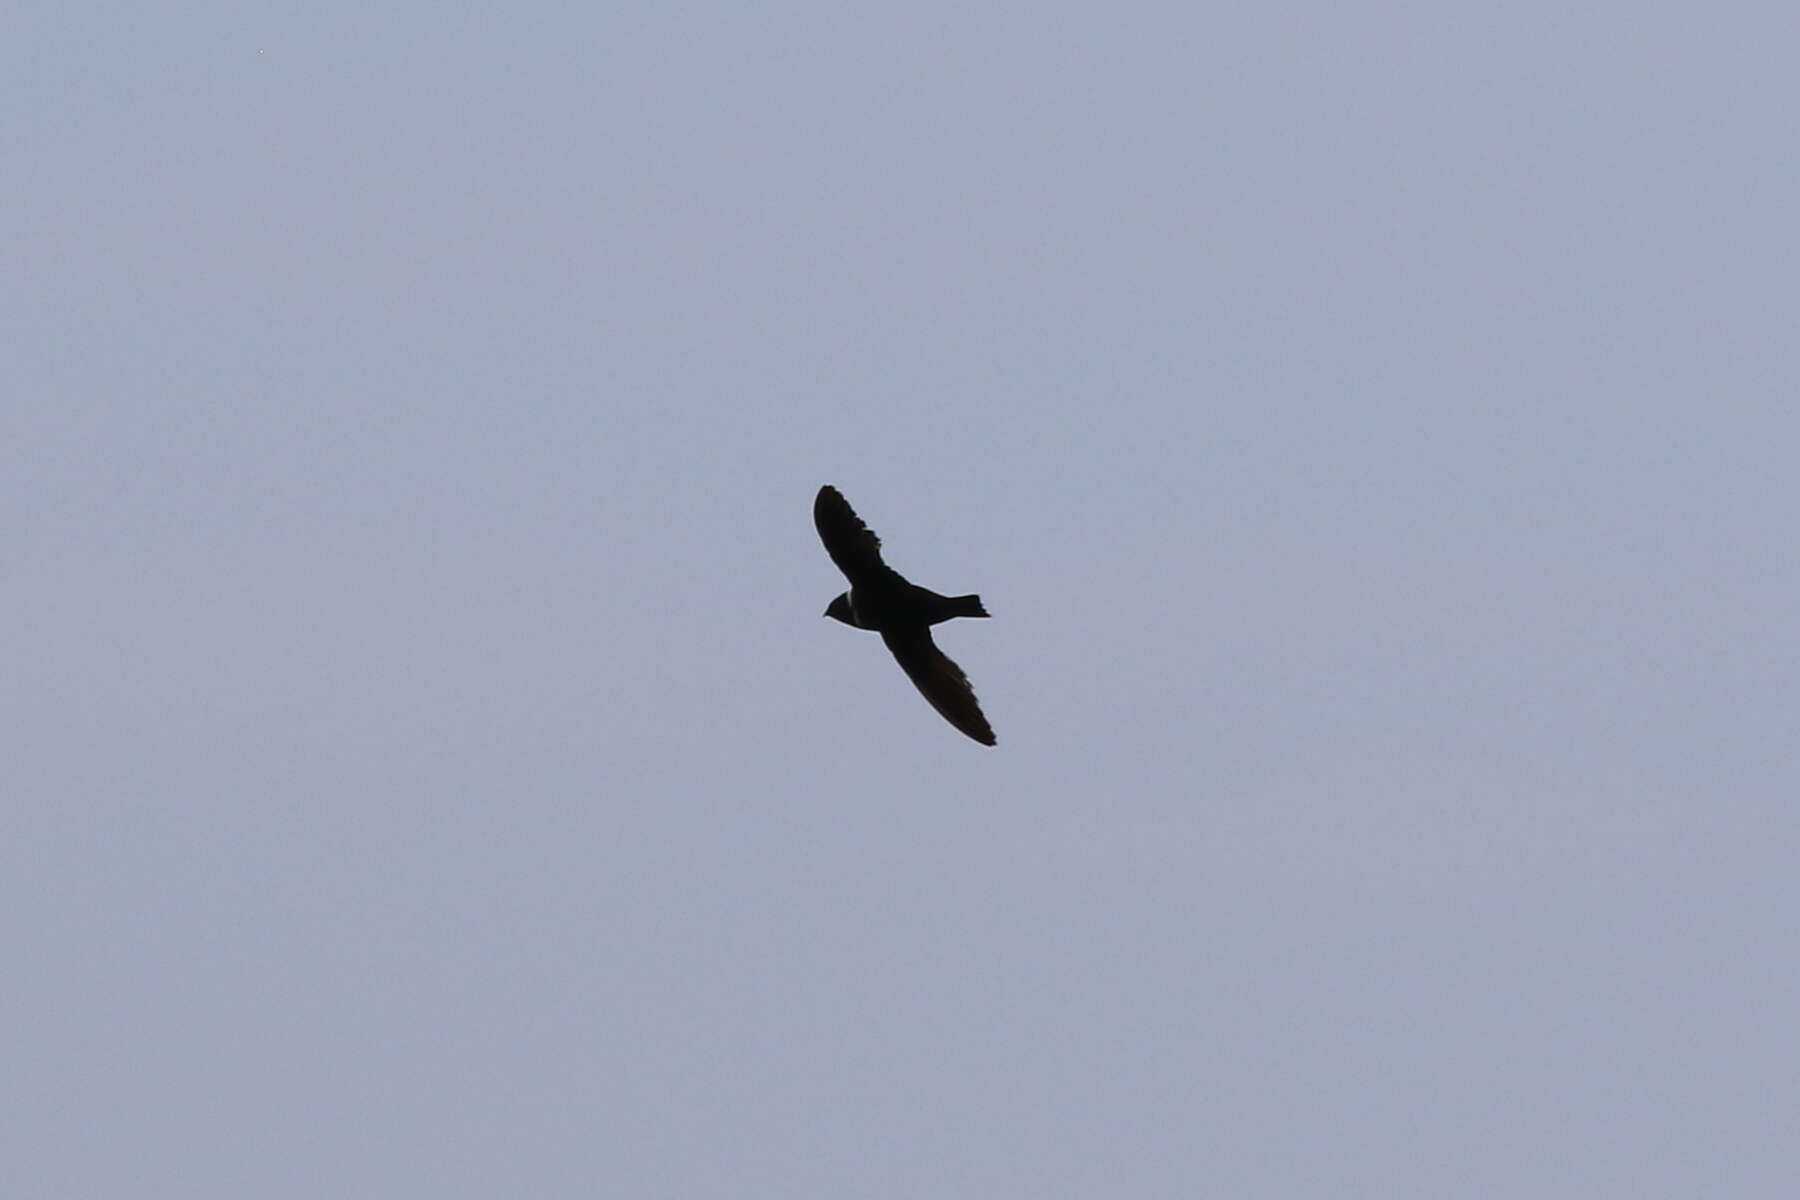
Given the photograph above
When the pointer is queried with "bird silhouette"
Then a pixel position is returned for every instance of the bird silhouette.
(881, 599)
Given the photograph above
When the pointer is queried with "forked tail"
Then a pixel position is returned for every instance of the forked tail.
(967, 606)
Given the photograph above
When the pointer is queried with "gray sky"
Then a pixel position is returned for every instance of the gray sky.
(428, 773)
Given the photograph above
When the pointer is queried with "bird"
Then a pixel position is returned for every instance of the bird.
(881, 599)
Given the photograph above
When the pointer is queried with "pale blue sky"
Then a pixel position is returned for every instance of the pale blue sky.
(428, 773)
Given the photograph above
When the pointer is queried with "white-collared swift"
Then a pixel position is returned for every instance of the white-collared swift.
(903, 613)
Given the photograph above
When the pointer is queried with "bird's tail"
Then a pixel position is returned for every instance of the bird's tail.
(966, 606)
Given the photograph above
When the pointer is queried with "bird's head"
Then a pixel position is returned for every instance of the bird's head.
(839, 609)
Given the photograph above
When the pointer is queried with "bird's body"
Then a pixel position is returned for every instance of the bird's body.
(879, 608)
(882, 600)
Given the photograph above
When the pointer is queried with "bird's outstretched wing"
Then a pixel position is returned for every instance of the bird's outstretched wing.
(852, 545)
(939, 680)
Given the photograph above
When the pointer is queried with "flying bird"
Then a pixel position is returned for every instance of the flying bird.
(902, 613)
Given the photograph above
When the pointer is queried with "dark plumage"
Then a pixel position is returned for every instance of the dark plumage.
(903, 613)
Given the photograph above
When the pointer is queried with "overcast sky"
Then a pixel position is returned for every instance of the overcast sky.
(426, 770)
